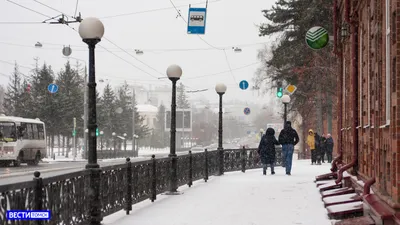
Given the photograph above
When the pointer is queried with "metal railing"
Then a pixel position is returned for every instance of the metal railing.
(121, 185)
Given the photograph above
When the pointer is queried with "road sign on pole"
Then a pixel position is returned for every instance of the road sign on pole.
(52, 88)
(246, 111)
(243, 84)
(197, 21)
(291, 89)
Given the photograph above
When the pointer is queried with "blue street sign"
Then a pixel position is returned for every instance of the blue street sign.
(243, 85)
(246, 111)
(197, 21)
(248, 132)
(53, 88)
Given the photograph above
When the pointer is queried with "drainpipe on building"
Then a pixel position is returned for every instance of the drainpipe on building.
(338, 159)
(354, 96)
(367, 186)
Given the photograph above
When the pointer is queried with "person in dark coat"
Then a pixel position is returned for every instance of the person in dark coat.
(288, 138)
(323, 147)
(329, 148)
(266, 150)
(318, 148)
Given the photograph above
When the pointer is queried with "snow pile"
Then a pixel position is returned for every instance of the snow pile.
(238, 199)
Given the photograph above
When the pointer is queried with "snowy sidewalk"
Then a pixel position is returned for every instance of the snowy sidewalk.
(238, 199)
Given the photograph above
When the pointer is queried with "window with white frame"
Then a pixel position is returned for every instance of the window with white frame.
(387, 62)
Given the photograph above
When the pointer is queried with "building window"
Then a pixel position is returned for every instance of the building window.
(387, 62)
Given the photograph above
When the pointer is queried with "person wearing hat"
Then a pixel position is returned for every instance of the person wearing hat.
(288, 138)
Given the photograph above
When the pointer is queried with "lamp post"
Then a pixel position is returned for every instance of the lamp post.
(101, 140)
(174, 73)
(285, 101)
(220, 89)
(125, 141)
(91, 31)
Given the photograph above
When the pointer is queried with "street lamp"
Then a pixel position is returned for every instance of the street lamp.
(285, 101)
(91, 31)
(174, 73)
(101, 140)
(220, 89)
(125, 141)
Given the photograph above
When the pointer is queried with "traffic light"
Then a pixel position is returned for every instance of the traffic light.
(97, 132)
(73, 133)
(279, 91)
(28, 88)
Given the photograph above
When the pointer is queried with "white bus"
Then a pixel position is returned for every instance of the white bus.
(21, 141)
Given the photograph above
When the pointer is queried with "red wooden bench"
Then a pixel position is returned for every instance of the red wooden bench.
(363, 220)
(329, 186)
(345, 211)
(379, 210)
(338, 191)
(341, 199)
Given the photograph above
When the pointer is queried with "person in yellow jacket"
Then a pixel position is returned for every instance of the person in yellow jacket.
(311, 145)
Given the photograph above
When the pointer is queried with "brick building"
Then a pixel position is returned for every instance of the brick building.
(366, 34)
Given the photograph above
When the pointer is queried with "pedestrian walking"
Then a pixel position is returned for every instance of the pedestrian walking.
(288, 138)
(266, 150)
(329, 147)
(311, 145)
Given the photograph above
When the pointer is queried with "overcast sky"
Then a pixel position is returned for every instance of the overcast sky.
(158, 33)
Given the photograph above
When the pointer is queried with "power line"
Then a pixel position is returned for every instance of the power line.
(117, 55)
(227, 71)
(153, 10)
(133, 56)
(230, 68)
(30, 9)
(226, 57)
(76, 7)
(13, 64)
(16, 22)
(48, 6)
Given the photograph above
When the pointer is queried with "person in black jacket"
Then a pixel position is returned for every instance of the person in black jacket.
(288, 138)
(329, 147)
(266, 150)
(323, 147)
(318, 148)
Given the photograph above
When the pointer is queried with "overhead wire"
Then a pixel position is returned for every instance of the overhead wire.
(45, 5)
(226, 57)
(133, 56)
(37, 12)
(174, 6)
(153, 10)
(76, 8)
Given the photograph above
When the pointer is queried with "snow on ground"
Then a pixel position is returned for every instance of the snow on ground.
(238, 199)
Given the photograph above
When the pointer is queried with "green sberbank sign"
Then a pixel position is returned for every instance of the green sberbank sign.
(317, 37)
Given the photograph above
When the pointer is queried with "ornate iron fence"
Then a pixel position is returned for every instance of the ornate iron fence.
(121, 185)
